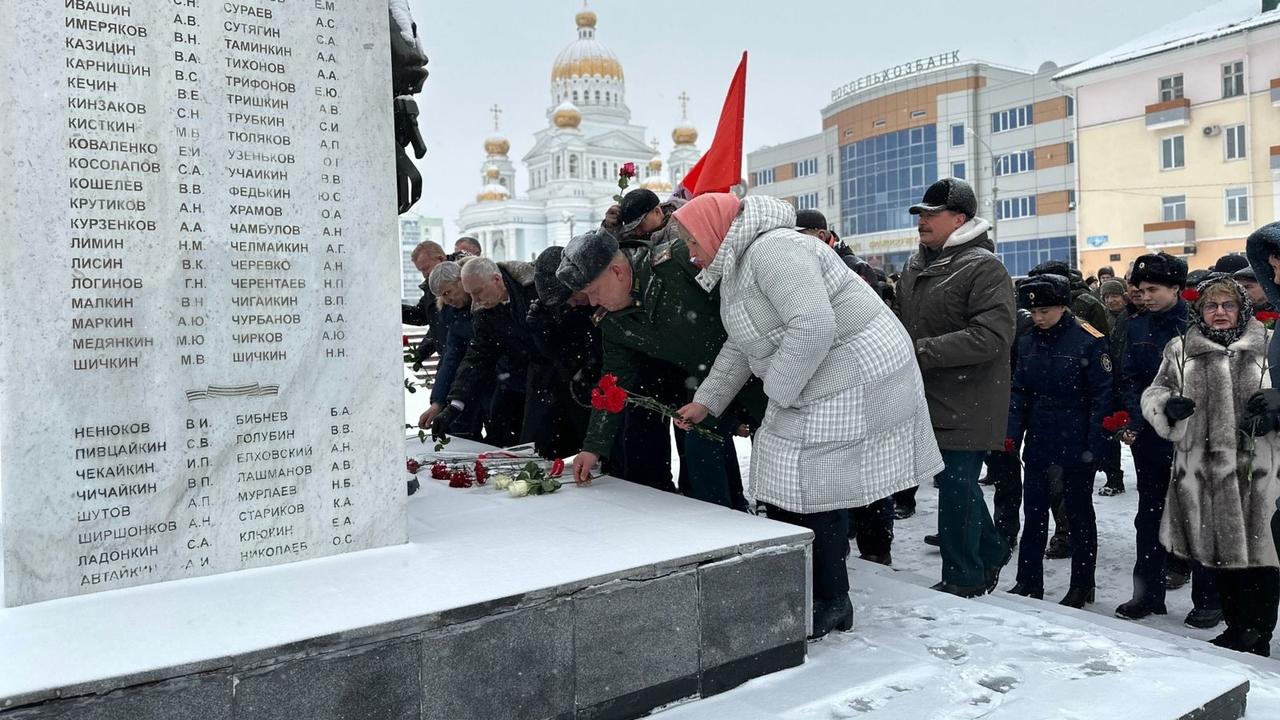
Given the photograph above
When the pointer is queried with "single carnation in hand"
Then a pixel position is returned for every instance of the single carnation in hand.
(1191, 294)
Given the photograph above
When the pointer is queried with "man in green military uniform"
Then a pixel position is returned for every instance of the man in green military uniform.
(650, 305)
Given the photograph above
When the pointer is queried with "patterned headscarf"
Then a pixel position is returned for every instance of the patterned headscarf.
(1214, 283)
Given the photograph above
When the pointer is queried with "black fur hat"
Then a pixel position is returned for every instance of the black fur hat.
(1159, 268)
(1044, 290)
(551, 291)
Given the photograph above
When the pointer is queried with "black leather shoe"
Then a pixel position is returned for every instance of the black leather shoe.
(1174, 579)
(1058, 549)
(1077, 597)
(885, 559)
(932, 540)
(831, 615)
(1203, 618)
(1024, 590)
(1137, 609)
(902, 512)
(964, 591)
(1229, 639)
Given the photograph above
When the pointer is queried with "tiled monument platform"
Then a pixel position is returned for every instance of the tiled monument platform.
(604, 602)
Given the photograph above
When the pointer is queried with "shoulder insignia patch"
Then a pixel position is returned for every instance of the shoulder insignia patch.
(1106, 362)
(1091, 329)
(598, 316)
(660, 254)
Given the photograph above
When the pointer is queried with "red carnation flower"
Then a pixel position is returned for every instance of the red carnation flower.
(405, 340)
(628, 170)
(1122, 416)
(439, 471)
(557, 468)
(459, 479)
(607, 381)
(1268, 318)
(1191, 294)
(482, 473)
(1008, 445)
(412, 466)
(615, 399)
(1109, 424)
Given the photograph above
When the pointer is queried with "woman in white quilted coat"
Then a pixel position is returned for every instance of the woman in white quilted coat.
(847, 422)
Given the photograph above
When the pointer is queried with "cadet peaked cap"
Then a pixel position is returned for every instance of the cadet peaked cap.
(585, 257)
(1159, 268)
(811, 220)
(951, 194)
(1047, 290)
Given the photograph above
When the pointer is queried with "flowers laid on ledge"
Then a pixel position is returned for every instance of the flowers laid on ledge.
(519, 475)
(608, 396)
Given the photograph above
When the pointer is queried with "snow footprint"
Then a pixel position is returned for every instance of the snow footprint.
(869, 699)
(1107, 664)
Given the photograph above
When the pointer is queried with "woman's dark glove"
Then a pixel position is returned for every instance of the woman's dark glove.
(1261, 412)
(1179, 408)
(444, 422)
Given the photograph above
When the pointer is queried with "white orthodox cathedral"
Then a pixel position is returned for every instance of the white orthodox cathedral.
(572, 170)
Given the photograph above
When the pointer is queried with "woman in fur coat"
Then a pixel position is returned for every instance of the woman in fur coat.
(1206, 399)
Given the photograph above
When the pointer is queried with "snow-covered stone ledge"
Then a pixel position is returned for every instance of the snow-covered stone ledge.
(604, 601)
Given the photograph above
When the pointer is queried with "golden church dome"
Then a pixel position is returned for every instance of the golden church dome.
(657, 183)
(497, 145)
(492, 191)
(566, 115)
(684, 134)
(586, 57)
(655, 164)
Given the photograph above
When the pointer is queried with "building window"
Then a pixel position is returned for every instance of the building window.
(879, 123)
(762, 177)
(1071, 106)
(1019, 256)
(1234, 139)
(1071, 152)
(1233, 79)
(878, 175)
(1173, 207)
(957, 135)
(1016, 162)
(556, 165)
(1171, 88)
(1011, 119)
(957, 170)
(597, 97)
(593, 169)
(808, 201)
(917, 114)
(831, 164)
(1018, 207)
(1237, 205)
(804, 168)
(573, 166)
(575, 97)
(831, 197)
(1171, 154)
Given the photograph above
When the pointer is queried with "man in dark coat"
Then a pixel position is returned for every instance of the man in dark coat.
(500, 297)
(650, 306)
(1160, 278)
(454, 335)
(956, 301)
(426, 256)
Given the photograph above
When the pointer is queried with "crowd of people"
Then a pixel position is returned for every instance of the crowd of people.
(743, 317)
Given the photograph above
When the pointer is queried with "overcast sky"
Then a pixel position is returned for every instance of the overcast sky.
(501, 51)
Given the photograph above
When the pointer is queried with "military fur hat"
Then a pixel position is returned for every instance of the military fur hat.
(1051, 267)
(1159, 268)
(585, 257)
(551, 291)
(1045, 290)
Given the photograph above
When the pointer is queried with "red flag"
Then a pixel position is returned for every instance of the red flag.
(720, 167)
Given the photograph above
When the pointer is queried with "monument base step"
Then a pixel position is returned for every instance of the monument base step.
(917, 653)
(597, 602)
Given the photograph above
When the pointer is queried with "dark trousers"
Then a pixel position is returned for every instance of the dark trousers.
(1005, 471)
(1249, 598)
(872, 527)
(967, 537)
(1153, 462)
(1077, 499)
(504, 424)
(642, 451)
(713, 472)
(1111, 463)
(830, 548)
(906, 498)
(1061, 518)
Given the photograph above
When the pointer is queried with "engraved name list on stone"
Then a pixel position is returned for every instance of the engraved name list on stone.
(199, 370)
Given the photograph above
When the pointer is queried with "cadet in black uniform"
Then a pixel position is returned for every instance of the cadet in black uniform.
(1061, 393)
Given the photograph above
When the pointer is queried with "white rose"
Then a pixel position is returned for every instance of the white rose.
(502, 482)
(519, 488)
